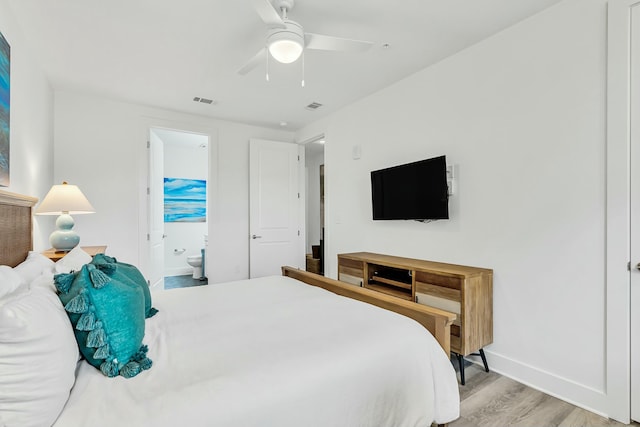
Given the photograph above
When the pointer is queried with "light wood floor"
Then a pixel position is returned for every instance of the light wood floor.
(489, 399)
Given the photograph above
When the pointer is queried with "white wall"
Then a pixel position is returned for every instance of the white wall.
(31, 150)
(99, 146)
(184, 238)
(522, 114)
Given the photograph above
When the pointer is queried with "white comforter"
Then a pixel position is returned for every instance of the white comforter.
(272, 352)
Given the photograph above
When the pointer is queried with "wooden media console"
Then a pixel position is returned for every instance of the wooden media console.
(466, 291)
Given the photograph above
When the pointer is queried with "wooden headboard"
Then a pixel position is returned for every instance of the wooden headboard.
(15, 227)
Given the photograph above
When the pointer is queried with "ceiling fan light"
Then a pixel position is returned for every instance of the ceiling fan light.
(286, 44)
(285, 51)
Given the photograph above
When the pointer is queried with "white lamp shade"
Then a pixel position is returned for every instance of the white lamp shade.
(64, 198)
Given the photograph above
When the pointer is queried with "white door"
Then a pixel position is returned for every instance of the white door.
(275, 219)
(635, 212)
(156, 212)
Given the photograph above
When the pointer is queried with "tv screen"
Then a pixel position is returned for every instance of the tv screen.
(415, 190)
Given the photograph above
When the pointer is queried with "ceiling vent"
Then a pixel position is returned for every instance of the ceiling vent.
(313, 106)
(204, 100)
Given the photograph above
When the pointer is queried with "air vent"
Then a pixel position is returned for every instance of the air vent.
(204, 100)
(313, 106)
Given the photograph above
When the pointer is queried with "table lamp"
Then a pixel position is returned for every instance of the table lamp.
(64, 200)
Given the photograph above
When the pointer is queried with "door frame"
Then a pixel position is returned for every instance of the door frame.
(155, 222)
(323, 208)
(618, 210)
(145, 126)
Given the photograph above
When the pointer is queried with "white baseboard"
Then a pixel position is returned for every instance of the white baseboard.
(179, 271)
(585, 397)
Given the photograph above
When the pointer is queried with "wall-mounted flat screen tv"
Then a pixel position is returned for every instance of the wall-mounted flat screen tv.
(416, 190)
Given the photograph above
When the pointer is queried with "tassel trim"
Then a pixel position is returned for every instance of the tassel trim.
(130, 370)
(79, 304)
(142, 359)
(97, 337)
(86, 322)
(97, 277)
(102, 352)
(138, 363)
(146, 363)
(104, 259)
(141, 353)
(107, 268)
(110, 369)
(64, 281)
(110, 259)
(105, 263)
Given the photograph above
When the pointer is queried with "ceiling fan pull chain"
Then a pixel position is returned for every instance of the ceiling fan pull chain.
(267, 74)
(302, 83)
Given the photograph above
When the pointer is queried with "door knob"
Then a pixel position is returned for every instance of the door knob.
(638, 266)
(256, 237)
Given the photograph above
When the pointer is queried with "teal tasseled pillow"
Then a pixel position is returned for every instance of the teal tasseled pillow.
(125, 272)
(108, 317)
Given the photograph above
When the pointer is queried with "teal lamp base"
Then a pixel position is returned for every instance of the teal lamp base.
(64, 238)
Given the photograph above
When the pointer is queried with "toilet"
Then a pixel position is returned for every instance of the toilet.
(195, 261)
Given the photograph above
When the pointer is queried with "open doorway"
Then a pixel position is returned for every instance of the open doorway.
(315, 194)
(179, 172)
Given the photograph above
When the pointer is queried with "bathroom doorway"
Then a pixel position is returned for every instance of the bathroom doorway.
(178, 207)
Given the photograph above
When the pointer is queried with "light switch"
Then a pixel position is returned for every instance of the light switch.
(356, 152)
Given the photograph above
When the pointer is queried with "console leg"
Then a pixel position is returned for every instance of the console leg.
(484, 360)
(461, 364)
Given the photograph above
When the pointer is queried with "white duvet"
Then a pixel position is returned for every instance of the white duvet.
(272, 352)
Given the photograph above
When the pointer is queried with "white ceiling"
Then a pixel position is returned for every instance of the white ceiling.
(163, 53)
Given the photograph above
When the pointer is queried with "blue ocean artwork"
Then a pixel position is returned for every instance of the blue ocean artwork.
(185, 200)
(5, 72)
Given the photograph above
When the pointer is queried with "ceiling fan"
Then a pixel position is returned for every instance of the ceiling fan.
(286, 39)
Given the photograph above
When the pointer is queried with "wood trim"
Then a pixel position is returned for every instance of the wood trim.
(15, 199)
(409, 263)
(436, 321)
(54, 255)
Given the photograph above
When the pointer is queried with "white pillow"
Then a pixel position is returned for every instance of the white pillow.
(9, 280)
(73, 261)
(33, 266)
(38, 355)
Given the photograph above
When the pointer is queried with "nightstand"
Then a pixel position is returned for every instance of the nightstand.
(54, 255)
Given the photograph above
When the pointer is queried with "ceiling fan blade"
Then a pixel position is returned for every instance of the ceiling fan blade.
(322, 42)
(269, 15)
(253, 62)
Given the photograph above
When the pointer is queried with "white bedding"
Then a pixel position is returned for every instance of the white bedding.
(272, 352)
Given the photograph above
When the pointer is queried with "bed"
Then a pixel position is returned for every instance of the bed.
(276, 351)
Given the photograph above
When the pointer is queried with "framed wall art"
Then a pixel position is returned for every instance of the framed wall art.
(5, 86)
(185, 200)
